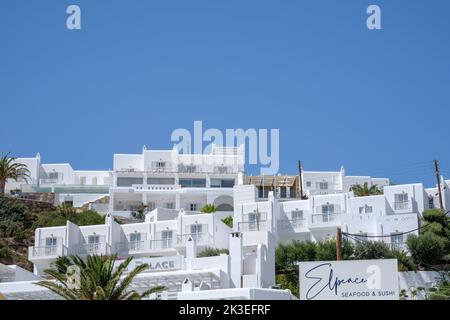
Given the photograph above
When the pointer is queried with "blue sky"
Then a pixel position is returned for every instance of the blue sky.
(374, 101)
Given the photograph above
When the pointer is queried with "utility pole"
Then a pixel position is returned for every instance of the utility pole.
(438, 181)
(338, 244)
(300, 180)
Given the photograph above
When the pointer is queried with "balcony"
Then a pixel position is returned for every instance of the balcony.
(246, 226)
(46, 252)
(287, 224)
(49, 181)
(400, 246)
(99, 248)
(201, 239)
(325, 220)
(402, 205)
(133, 247)
(162, 244)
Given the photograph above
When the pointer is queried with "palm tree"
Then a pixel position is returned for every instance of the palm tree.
(9, 169)
(364, 190)
(97, 279)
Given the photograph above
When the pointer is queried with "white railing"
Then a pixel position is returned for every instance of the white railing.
(46, 251)
(252, 225)
(49, 181)
(325, 218)
(98, 248)
(292, 223)
(402, 205)
(200, 238)
(132, 246)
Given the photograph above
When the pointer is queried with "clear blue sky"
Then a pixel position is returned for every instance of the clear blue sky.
(374, 101)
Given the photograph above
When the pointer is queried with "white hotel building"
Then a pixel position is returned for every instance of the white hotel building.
(174, 187)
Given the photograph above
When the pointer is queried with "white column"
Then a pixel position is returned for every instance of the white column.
(236, 259)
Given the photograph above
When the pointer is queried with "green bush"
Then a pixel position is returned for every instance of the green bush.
(55, 219)
(211, 252)
(12, 210)
(372, 250)
(289, 281)
(4, 252)
(228, 221)
(326, 250)
(441, 291)
(208, 208)
(427, 249)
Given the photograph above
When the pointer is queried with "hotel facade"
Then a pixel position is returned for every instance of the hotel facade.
(171, 188)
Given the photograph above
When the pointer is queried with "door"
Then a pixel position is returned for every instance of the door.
(50, 246)
(166, 236)
(93, 244)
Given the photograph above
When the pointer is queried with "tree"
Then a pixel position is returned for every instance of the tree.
(432, 245)
(97, 278)
(427, 249)
(372, 250)
(10, 169)
(228, 221)
(208, 208)
(326, 250)
(364, 190)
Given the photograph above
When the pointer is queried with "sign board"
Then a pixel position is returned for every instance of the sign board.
(349, 280)
(156, 264)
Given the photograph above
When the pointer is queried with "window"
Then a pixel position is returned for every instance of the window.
(327, 211)
(135, 241)
(128, 182)
(166, 237)
(53, 175)
(82, 181)
(193, 207)
(135, 237)
(196, 228)
(322, 185)
(169, 205)
(253, 221)
(431, 202)
(164, 181)
(222, 183)
(192, 183)
(401, 201)
(93, 244)
(396, 240)
(308, 184)
(50, 246)
(297, 215)
(365, 209)
(94, 181)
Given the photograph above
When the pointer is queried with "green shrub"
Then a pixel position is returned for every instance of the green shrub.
(326, 250)
(289, 281)
(12, 210)
(228, 221)
(208, 208)
(211, 252)
(4, 252)
(372, 250)
(427, 249)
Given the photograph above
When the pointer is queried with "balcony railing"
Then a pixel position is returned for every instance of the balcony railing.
(49, 181)
(159, 244)
(132, 246)
(402, 205)
(401, 246)
(252, 225)
(92, 248)
(46, 251)
(292, 223)
(325, 218)
(200, 238)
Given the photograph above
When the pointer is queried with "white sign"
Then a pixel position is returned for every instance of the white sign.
(349, 280)
(156, 264)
